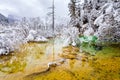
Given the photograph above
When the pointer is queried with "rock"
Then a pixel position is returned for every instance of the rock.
(3, 51)
(73, 43)
(52, 64)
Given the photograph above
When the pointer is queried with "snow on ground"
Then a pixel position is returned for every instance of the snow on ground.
(34, 36)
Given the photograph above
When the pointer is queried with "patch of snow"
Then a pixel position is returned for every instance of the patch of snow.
(3, 51)
(40, 38)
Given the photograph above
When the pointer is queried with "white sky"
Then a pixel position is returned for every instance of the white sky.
(33, 8)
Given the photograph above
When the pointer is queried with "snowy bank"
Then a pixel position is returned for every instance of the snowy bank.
(11, 37)
(35, 37)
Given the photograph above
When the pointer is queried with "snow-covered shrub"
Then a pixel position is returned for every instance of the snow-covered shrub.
(12, 36)
(69, 35)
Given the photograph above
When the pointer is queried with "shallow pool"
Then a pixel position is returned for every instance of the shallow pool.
(30, 62)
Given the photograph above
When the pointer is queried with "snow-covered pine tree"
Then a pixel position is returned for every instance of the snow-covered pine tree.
(97, 17)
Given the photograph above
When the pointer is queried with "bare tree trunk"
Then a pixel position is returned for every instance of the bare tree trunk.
(53, 16)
